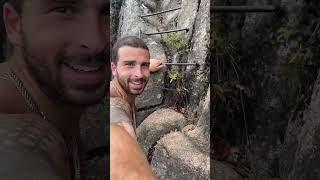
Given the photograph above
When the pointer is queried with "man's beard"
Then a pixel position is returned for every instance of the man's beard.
(50, 80)
(40, 72)
(126, 88)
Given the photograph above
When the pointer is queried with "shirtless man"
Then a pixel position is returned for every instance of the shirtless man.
(57, 66)
(131, 70)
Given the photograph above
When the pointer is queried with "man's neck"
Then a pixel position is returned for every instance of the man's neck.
(113, 92)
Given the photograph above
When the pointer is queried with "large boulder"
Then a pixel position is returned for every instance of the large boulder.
(157, 125)
(176, 157)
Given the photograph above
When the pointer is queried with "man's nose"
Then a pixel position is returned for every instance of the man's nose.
(138, 72)
(94, 34)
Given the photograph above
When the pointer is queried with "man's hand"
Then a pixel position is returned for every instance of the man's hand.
(156, 65)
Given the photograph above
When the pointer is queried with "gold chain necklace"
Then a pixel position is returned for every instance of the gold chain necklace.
(73, 150)
(10, 75)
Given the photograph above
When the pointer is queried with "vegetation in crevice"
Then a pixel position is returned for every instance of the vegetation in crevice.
(227, 90)
(301, 35)
(178, 81)
(177, 42)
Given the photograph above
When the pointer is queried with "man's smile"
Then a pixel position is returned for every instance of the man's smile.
(84, 74)
(84, 68)
(137, 84)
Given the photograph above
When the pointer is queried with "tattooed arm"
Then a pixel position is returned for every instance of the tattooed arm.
(127, 161)
(31, 148)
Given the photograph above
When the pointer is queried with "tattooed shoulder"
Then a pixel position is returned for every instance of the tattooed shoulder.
(31, 148)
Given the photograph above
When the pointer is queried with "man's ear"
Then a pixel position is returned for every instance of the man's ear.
(114, 69)
(12, 23)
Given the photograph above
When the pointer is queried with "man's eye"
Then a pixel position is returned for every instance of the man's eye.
(63, 9)
(130, 64)
(145, 65)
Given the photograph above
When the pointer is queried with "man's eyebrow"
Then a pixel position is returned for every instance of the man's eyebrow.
(128, 61)
(67, 1)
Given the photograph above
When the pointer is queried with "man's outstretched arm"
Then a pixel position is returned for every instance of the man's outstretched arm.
(127, 160)
(30, 148)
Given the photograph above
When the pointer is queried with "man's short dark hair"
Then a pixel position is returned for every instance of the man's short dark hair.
(131, 41)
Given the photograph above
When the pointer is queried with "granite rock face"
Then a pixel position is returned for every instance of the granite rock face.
(131, 24)
(200, 134)
(192, 15)
(300, 157)
(198, 54)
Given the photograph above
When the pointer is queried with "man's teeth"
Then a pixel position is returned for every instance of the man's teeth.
(137, 83)
(83, 68)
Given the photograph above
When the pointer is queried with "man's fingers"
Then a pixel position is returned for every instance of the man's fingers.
(156, 65)
(159, 67)
(162, 66)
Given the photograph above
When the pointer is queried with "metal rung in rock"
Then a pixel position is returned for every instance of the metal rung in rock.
(163, 32)
(244, 9)
(161, 12)
(182, 64)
